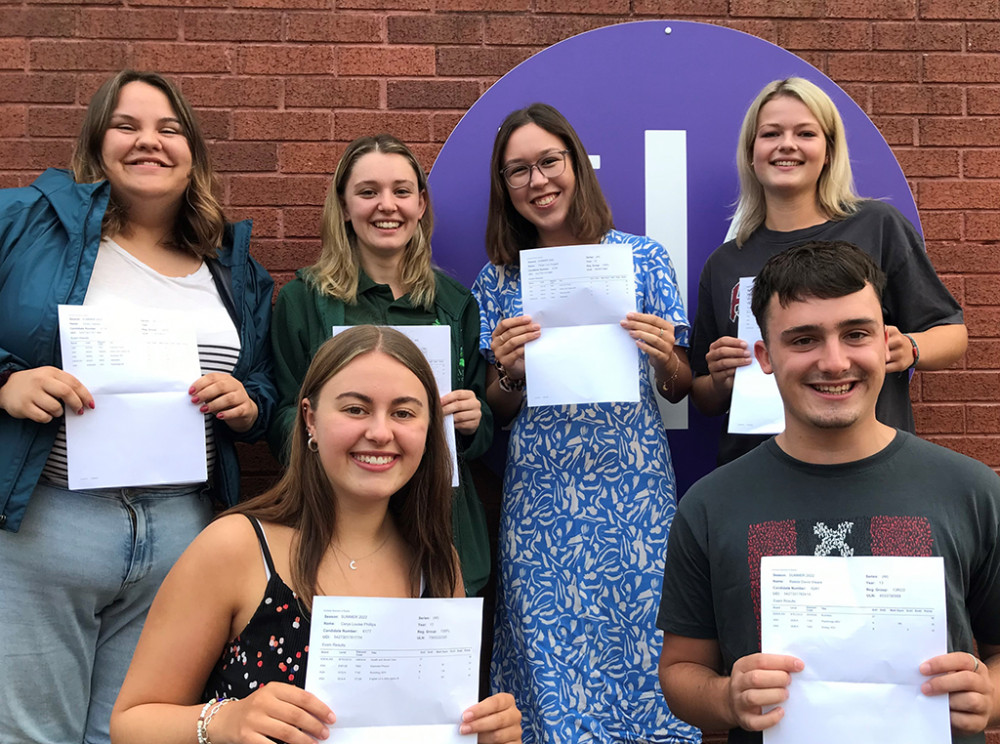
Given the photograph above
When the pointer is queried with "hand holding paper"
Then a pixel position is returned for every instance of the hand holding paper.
(761, 681)
(39, 394)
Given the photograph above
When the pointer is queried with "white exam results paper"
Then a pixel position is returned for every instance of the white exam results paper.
(434, 342)
(579, 294)
(862, 626)
(395, 670)
(138, 365)
(756, 406)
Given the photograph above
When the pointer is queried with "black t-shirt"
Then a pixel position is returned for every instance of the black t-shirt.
(914, 298)
(913, 498)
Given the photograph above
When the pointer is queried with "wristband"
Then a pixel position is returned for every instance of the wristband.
(916, 350)
(507, 383)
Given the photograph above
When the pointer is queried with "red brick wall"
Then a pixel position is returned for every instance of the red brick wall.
(282, 85)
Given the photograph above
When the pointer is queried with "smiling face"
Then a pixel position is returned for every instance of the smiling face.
(383, 204)
(789, 149)
(828, 358)
(370, 425)
(544, 202)
(145, 155)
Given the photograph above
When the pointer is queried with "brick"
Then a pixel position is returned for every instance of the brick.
(282, 4)
(983, 354)
(939, 419)
(840, 35)
(281, 278)
(941, 225)
(984, 419)
(981, 163)
(917, 99)
(982, 225)
(387, 5)
(35, 154)
(897, 130)
(962, 68)
(285, 255)
(184, 3)
(982, 37)
(762, 29)
(212, 25)
(432, 94)
(443, 124)
(955, 285)
(335, 27)
(467, 61)
(282, 125)
(680, 8)
(819, 60)
(314, 91)
(301, 222)
(984, 449)
(983, 100)
(34, 87)
(232, 92)
(873, 66)
(404, 60)
(974, 10)
(77, 55)
(122, 23)
(266, 221)
(13, 121)
(245, 156)
(958, 195)
(868, 9)
(983, 289)
(55, 121)
(215, 124)
(437, 29)
(589, 7)
(504, 6)
(927, 163)
(409, 127)
(259, 59)
(965, 258)
(309, 157)
(426, 154)
(37, 22)
(952, 385)
(536, 30)
(13, 54)
(921, 36)
(778, 8)
(280, 191)
(983, 321)
(966, 131)
(183, 57)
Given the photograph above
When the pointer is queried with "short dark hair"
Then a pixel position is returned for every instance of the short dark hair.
(820, 269)
(507, 232)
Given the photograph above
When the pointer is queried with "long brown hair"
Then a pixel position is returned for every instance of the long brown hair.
(200, 222)
(507, 232)
(303, 500)
(336, 271)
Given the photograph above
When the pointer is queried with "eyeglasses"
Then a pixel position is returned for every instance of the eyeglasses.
(550, 165)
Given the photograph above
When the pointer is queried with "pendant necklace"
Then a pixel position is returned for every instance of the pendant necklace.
(352, 562)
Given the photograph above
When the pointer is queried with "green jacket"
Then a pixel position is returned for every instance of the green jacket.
(303, 319)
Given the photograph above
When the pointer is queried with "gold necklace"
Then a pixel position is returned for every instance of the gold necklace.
(353, 561)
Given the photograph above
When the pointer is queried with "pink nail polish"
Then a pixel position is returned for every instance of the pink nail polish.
(219, 416)
(196, 399)
(92, 405)
(80, 412)
(191, 390)
(203, 409)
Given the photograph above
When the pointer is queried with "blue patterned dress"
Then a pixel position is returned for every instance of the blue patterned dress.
(589, 496)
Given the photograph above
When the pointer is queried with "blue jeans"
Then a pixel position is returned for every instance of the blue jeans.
(75, 584)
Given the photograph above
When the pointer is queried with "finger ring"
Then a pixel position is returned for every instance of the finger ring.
(661, 331)
(976, 667)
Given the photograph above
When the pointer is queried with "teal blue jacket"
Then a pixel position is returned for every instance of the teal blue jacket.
(49, 235)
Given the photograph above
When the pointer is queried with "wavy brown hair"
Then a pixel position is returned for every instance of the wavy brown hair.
(303, 499)
(200, 221)
(336, 271)
(835, 194)
(507, 232)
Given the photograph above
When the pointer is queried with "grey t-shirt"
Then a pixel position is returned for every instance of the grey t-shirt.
(913, 498)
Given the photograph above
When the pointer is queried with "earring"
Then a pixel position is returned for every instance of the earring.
(311, 443)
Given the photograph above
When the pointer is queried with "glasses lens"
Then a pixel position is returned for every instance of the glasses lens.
(517, 175)
(552, 165)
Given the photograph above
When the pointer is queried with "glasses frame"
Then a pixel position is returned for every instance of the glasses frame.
(532, 167)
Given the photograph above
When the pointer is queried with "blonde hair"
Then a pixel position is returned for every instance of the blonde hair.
(336, 271)
(200, 222)
(835, 194)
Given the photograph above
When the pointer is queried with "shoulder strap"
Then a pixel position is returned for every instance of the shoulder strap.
(264, 549)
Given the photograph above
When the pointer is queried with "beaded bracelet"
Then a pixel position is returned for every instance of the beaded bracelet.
(207, 714)
(916, 350)
(506, 382)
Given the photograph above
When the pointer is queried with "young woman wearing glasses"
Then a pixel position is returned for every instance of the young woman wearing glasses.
(589, 489)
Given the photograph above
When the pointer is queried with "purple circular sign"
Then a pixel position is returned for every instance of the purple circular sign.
(659, 104)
